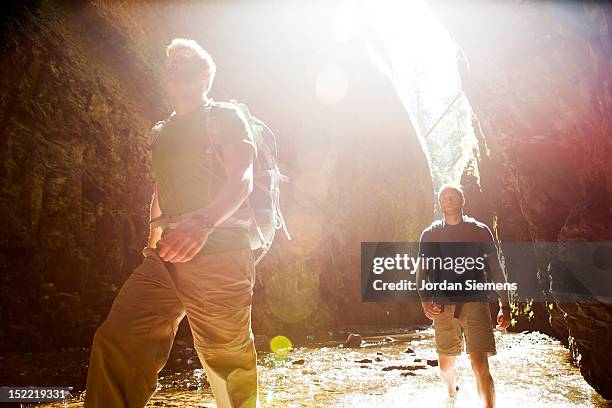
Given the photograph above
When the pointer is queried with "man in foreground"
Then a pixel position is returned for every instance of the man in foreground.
(192, 268)
(459, 313)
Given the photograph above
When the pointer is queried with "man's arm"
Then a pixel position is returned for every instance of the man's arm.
(183, 243)
(498, 276)
(430, 308)
(238, 164)
(421, 277)
(504, 316)
(155, 211)
(497, 273)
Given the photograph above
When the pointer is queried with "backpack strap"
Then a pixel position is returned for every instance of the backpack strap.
(212, 129)
(156, 130)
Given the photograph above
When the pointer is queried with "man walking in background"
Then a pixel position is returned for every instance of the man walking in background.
(460, 313)
(189, 267)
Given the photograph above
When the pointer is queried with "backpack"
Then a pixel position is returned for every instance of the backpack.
(261, 210)
(260, 213)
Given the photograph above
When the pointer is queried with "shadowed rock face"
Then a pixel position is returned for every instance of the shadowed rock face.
(74, 109)
(539, 81)
(81, 88)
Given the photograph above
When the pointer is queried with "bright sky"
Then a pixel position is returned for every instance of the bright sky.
(422, 56)
(416, 43)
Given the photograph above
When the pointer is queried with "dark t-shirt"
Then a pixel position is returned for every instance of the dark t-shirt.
(458, 254)
(182, 169)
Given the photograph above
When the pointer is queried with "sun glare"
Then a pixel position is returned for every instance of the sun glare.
(421, 60)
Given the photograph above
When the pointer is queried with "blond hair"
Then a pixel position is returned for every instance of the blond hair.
(193, 52)
(453, 186)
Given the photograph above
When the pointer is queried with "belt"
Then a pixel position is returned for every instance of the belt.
(240, 219)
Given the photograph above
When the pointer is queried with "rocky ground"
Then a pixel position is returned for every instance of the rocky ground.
(390, 368)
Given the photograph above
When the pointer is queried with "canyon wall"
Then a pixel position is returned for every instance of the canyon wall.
(538, 76)
(74, 109)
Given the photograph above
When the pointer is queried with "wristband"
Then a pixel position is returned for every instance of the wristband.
(204, 221)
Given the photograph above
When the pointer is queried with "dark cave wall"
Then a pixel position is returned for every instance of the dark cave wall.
(80, 90)
(74, 185)
(538, 77)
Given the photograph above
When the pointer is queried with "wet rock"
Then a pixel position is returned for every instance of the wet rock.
(378, 359)
(364, 360)
(432, 363)
(405, 367)
(353, 341)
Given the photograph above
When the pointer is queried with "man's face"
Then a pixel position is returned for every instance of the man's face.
(184, 76)
(451, 202)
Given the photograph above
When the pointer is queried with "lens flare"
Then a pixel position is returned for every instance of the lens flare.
(280, 345)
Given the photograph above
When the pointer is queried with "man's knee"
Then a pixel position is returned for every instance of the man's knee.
(447, 363)
(239, 345)
(447, 369)
(241, 354)
(480, 364)
(227, 331)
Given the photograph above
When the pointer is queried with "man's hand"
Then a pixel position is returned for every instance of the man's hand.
(183, 243)
(504, 317)
(431, 309)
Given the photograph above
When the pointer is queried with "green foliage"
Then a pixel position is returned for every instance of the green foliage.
(449, 145)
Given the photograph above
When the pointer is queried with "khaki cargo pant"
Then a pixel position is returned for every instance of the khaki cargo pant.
(474, 323)
(133, 343)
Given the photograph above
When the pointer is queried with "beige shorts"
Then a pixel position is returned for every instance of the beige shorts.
(474, 322)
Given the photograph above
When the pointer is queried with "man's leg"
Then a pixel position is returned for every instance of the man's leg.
(132, 344)
(448, 373)
(480, 341)
(217, 292)
(449, 344)
(484, 380)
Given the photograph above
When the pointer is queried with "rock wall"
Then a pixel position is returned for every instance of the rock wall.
(539, 79)
(81, 88)
(74, 107)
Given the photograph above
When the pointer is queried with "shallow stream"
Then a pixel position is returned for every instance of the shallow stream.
(530, 370)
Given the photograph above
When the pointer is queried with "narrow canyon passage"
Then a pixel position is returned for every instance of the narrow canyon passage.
(375, 105)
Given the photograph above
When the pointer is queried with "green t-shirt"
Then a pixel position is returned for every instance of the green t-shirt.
(181, 166)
